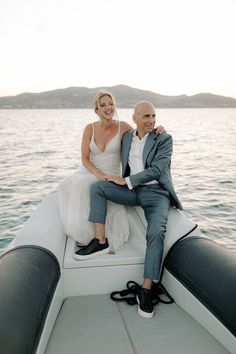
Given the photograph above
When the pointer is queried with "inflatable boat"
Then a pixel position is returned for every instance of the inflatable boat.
(51, 303)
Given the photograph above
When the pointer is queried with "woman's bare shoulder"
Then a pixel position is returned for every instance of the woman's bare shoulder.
(88, 130)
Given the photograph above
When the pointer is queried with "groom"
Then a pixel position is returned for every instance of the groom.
(146, 181)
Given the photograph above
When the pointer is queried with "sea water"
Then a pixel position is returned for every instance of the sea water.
(38, 148)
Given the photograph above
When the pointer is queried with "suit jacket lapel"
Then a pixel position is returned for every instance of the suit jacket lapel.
(151, 140)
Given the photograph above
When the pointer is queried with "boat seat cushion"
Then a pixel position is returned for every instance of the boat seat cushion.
(134, 251)
(95, 324)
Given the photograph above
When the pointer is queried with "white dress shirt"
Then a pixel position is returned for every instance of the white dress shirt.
(136, 157)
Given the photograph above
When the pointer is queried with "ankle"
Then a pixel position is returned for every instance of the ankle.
(147, 283)
(101, 240)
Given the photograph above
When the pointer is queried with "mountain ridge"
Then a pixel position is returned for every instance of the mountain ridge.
(125, 96)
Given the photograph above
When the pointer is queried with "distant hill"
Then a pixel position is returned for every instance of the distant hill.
(126, 97)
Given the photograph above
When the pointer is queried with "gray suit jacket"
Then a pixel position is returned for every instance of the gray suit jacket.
(157, 161)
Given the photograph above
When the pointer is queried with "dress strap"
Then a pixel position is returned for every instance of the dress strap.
(93, 131)
(118, 127)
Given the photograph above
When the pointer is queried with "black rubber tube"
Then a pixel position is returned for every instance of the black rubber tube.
(208, 271)
(28, 279)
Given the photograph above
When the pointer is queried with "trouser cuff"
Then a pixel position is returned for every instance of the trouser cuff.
(100, 219)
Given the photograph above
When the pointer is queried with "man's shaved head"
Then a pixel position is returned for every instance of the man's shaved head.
(142, 105)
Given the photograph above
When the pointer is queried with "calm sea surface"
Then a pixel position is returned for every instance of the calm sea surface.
(38, 148)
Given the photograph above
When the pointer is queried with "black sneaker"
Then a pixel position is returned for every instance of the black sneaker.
(93, 248)
(79, 245)
(145, 306)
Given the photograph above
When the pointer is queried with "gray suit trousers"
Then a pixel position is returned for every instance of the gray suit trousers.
(155, 202)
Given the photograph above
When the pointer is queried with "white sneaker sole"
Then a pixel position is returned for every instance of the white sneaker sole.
(143, 313)
(88, 256)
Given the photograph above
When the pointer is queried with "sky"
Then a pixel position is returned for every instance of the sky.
(170, 47)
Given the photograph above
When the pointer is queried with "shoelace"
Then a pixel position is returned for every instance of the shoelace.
(129, 295)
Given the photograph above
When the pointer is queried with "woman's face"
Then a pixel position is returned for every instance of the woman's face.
(107, 108)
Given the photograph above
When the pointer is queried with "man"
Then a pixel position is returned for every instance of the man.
(146, 181)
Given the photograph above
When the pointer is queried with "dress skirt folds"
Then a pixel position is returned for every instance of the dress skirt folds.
(74, 198)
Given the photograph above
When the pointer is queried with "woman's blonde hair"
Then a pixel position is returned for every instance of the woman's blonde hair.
(101, 94)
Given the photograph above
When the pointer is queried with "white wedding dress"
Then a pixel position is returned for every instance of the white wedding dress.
(74, 198)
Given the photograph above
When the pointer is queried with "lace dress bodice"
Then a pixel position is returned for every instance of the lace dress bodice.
(108, 161)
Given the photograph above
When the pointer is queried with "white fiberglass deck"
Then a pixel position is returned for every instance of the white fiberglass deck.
(96, 325)
(90, 323)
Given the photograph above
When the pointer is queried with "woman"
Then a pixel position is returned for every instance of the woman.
(100, 150)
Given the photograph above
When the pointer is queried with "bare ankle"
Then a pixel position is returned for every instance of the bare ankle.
(101, 240)
(147, 283)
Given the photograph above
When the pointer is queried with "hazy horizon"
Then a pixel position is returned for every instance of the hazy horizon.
(138, 88)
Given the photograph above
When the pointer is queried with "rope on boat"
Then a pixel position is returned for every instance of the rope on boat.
(129, 295)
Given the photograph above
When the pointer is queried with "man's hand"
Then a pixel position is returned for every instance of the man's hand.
(117, 180)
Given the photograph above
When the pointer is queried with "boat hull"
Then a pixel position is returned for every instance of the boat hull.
(185, 249)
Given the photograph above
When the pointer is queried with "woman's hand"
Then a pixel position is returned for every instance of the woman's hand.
(160, 129)
(115, 179)
(100, 176)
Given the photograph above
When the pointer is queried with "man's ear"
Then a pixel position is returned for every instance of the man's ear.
(134, 118)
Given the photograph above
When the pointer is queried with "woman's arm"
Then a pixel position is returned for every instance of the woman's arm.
(125, 127)
(85, 153)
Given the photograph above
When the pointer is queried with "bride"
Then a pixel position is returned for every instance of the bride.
(100, 150)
